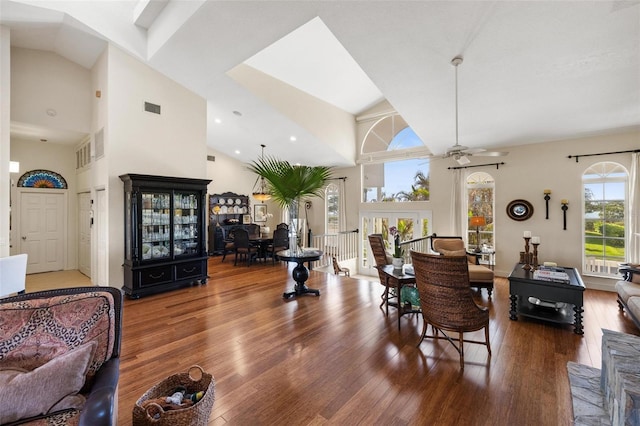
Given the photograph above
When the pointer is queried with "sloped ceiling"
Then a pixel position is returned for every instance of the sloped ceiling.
(532, 71)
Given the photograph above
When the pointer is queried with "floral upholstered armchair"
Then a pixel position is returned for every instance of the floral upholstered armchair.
(59, 357)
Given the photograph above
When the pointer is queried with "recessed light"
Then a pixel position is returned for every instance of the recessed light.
(237, 152)
(217, 120)
(52, 112)
(238, 113)
(293, 139)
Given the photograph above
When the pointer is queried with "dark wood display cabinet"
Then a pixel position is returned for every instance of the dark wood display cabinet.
(165, 231)
(226, 211)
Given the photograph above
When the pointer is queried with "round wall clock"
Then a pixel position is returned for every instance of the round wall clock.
(519, 210)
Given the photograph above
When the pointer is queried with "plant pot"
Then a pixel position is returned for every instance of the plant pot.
(397, 262)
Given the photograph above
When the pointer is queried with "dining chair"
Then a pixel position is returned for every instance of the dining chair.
(282, 225)
(447, 301)
(13, 273)
(227, 237)
(243, 247)
(280, 242)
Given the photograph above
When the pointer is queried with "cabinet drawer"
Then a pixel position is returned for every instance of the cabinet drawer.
(188, 270)
(154, 276)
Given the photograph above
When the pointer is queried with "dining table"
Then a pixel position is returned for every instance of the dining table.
(262, 243)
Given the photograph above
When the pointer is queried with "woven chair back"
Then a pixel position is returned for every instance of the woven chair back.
(445, 295)
(378, 250)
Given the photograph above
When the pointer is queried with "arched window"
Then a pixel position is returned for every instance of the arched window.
(480, 203)
(332, 206)
(394, 161)
(605, 211)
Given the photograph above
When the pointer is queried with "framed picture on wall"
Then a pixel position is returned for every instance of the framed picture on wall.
(246, 218)
(260, 212)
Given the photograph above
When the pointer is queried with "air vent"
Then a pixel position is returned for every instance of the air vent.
(149, 107)
(211, 158)
(99, 143)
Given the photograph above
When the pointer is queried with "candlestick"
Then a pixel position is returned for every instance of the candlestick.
(535, 254)
(565, 207)
(527, 259)
(535, 240)
(527, 234)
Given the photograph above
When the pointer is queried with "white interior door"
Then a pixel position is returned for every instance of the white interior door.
(100, 222)
(42, 229)
(84, 233)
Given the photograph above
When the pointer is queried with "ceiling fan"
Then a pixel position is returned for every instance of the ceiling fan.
(458, 152)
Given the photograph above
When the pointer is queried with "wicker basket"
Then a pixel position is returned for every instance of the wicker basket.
(195, 415)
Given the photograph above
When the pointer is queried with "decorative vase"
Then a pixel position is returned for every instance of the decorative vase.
(397, 262)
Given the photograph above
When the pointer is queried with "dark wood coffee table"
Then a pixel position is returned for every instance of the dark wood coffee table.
(400, 279)
(522, 286)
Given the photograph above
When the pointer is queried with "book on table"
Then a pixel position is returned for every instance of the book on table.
(551, 274)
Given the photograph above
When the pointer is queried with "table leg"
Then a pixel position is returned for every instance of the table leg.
(300, 274)
(399, 300)
(578, 320)
(513, 313)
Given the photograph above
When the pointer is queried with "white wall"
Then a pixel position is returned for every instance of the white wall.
(42, 80)
(170, 144)
(5, 102)
(528, 170)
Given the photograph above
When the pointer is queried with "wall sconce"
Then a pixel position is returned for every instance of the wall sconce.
(565, 207)
(547, 197)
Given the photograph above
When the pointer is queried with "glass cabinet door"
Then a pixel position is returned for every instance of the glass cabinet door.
(185, 223)
(156, 225)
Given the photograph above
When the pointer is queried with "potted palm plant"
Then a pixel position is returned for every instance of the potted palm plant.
(290, 185)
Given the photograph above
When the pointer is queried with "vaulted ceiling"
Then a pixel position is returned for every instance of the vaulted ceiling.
(273, 70)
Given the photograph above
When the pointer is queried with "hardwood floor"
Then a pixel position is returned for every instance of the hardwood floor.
(336, 359)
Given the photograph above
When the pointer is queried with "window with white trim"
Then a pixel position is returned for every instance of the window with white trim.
(332, 205)
(604, 218)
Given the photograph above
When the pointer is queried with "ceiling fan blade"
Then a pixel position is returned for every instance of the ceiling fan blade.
(492, 154)
(473, 151)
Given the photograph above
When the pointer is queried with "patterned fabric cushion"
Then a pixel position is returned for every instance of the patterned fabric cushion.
(47, 389)
(36, 331)
(63, 418)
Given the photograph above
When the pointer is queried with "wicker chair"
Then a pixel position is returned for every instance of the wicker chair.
(337, 269)
(380, 256)
(446, 299)
(479, 276)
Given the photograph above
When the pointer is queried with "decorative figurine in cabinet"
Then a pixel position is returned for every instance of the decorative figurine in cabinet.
(165, 222)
